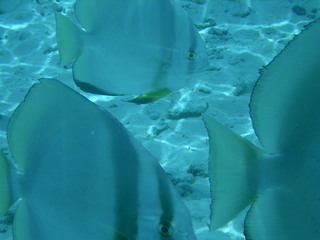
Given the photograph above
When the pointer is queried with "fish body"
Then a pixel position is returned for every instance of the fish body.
(81, 175)
(281, 181)
(130, 47)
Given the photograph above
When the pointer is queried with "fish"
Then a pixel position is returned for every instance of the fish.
(130, 47)
(79, 174)
(280, 180)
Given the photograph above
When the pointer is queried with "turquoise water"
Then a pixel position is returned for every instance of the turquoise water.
(241, 37)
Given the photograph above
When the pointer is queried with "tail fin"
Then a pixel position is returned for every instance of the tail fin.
(233, 173)
(5, 195)
(68, 39)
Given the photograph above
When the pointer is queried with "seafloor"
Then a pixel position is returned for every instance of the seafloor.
(241, 36)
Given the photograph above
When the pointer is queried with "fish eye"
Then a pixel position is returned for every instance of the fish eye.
(165, 228)
(191, 55)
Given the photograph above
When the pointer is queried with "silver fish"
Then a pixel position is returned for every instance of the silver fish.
(82, 175)
(281, 182)
(130, 47)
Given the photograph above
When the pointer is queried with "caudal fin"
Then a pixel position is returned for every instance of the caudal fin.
(233, 172)
(68, 39)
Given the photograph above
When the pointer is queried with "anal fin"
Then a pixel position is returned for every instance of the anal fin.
(283, 215)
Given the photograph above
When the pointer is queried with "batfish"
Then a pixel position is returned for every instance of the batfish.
(281, 180)
(130, 47)
(81, 175)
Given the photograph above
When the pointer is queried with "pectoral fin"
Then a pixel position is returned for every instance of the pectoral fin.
(151, 96)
